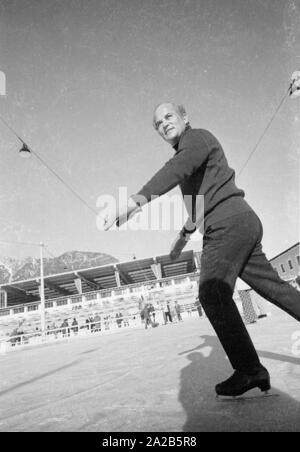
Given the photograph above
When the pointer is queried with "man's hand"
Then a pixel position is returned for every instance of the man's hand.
(120, 214)
(177, 246)
(181, 240)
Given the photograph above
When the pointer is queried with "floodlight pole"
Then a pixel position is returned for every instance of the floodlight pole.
(42, 290)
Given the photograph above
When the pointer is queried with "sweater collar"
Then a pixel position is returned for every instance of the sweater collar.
(176, 147)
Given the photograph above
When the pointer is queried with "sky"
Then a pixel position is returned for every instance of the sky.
(82, 80)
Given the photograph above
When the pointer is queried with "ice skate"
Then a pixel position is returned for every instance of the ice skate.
(240, 383)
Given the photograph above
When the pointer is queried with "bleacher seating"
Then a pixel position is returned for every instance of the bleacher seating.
(30, 322)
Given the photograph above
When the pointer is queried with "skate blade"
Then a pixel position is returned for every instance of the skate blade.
(250, 398)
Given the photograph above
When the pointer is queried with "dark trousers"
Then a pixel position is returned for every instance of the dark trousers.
(168, 316)
(231, 249)
(199, 309)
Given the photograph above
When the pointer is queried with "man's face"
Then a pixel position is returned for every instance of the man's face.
(169, 123)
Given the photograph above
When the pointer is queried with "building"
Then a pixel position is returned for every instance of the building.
(287, 263)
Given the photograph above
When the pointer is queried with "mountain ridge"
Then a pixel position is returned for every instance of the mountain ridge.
(12, 270)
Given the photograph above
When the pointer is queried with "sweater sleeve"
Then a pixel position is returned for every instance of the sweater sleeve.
(176, 170)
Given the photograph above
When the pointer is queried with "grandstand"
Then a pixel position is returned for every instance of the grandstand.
(103, 292)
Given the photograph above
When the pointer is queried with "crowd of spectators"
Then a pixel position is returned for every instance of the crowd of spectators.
(167, 312)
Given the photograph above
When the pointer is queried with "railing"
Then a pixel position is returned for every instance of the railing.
(67, 331)
(4, 312)
(106, 325)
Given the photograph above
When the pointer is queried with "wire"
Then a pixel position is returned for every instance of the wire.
(264, 131)
(132, 255)
(79, 197)
(19, 243)
(11, 129)
(64, 183)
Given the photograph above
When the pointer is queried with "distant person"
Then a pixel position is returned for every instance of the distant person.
(125, 318)
(97, 321)
(168, 313)
(178, 311)
(92, 325)
(146, 316)
(162, 308)
(152, 312)
(199, 307)
(142, 305)
(107, 320)
(173, 312)
(15, 338)
(65, 328)
(74, 325)
(119, 319)
(147, 313)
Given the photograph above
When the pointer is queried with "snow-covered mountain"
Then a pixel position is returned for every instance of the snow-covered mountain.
(18, 270)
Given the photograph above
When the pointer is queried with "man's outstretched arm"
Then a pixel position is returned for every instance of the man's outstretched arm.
(175, 171)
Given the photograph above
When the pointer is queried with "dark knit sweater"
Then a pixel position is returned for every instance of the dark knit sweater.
(199, 166)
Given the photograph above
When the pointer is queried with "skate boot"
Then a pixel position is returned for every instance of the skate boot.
(241, 382)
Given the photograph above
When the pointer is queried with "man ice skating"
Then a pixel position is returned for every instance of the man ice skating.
(232, 235)
(147, 316)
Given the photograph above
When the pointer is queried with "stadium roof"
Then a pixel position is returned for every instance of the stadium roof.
(99, 278)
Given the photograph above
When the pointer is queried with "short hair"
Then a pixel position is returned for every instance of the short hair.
(180, 109)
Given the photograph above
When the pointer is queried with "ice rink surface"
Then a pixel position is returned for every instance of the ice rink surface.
(155, 380)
